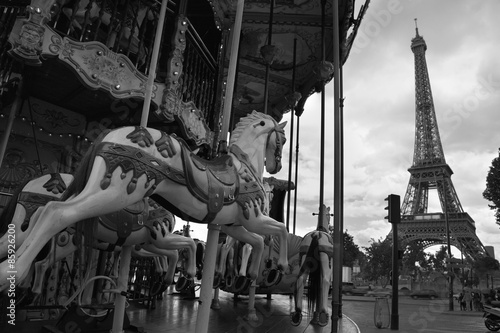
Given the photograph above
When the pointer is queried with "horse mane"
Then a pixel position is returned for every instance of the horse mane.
(244, 122)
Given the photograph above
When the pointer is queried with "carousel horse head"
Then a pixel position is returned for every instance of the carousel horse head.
(255, 125)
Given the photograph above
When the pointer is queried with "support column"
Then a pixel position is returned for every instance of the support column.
(338, 181)
(208, 279)
(122, 287)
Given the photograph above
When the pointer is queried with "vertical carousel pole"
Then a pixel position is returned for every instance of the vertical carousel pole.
(268, 65)
(231, 74)
(122, 286)
(203, 314)
(296, 175)
(322, 135)
(126, 252)
(292, 108)
(153, 64)
(338, 164)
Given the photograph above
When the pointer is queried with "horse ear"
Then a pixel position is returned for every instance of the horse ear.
(282, 125)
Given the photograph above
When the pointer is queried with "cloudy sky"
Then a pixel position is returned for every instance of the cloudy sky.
(463, 49)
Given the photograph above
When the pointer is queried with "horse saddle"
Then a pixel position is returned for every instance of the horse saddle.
(214, 182)
(127, 220)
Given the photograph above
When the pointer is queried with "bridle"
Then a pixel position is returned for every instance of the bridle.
(277, 152)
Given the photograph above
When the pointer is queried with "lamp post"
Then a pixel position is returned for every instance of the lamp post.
(447, 226)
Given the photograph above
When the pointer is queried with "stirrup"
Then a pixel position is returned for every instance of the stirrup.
(296, 317)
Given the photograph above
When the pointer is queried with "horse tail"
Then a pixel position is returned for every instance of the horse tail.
(200, 256)
(312, 266)
(8, 211)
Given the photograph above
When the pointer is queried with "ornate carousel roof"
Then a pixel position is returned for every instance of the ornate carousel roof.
(299, 21)
(274, 37)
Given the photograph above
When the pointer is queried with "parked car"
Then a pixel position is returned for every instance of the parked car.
(379, 293)
(346, 287)
(424, 293)
(355, 292)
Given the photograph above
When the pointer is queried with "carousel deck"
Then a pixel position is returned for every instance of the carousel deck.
(178, 314)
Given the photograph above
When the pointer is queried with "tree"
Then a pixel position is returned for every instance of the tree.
(414, 253)
(351, 250)
(379, 259)
(438, 260)
(484, 265)
(492, 191)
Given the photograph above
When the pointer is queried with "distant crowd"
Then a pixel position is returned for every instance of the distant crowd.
(473, 300)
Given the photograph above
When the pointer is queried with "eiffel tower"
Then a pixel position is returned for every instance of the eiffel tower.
(430, 171)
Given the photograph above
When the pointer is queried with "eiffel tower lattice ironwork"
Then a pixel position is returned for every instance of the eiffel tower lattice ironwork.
(430, 171)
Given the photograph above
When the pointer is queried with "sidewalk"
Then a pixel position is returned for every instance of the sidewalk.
(369, 327)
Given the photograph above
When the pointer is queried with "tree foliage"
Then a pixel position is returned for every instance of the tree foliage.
(485, 265)
(438, 259)
(492, 191)
(378, 259)
(351, 250)
(414, 254)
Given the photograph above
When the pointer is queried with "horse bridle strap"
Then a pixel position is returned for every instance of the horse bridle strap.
(277, 152)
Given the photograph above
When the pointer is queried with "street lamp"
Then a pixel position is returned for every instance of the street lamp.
(447, 226)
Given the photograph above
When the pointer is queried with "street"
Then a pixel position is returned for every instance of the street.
(420, 315)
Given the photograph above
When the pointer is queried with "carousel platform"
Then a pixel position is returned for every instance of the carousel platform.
(176, 313)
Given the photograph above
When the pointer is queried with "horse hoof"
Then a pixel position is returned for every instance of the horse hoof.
(183, 283)
(155, 288)
(215, 304)
(252, 315)
(296, 318)
(241, 284)
(323, 319)
(274, 277)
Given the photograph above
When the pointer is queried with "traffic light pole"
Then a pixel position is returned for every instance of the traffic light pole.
(394, 217)
(395, 279)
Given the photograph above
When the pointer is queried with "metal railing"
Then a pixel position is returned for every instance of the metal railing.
(128, 27)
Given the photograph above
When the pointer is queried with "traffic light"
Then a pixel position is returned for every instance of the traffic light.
(393, 208)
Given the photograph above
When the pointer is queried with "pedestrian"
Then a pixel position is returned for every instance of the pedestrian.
(468, 298)
(476, 301)
(461, 302)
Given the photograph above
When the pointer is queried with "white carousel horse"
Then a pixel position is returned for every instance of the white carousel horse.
(128, 164)
(39, 191)
(316, 253)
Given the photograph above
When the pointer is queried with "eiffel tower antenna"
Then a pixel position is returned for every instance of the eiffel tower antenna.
(429, 171)
(416, 26)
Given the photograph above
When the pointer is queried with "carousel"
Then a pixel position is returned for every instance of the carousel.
(120, 118)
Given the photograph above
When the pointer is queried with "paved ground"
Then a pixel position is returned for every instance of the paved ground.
(415, 316)
(177, 314)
